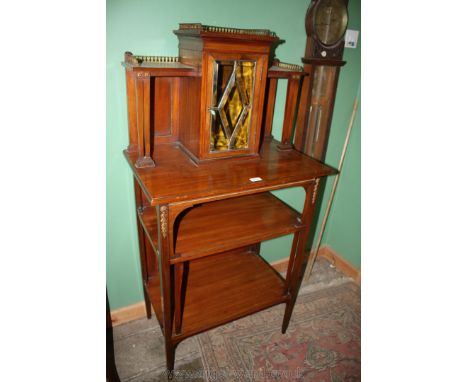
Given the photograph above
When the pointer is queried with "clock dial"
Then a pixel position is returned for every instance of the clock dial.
(330, 21)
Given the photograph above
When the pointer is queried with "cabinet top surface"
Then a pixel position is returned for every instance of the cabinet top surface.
(176, 178)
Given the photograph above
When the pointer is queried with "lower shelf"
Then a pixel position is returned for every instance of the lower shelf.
(224, 288)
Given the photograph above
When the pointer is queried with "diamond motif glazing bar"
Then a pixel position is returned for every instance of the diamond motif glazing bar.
(233, 85)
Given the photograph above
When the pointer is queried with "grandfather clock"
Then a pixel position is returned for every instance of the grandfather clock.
(326, 22)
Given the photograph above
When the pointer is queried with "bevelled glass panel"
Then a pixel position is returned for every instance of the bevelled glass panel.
(231, 104)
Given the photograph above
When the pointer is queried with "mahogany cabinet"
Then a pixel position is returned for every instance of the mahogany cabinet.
(204, 164)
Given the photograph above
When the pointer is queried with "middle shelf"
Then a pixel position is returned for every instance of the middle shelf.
(223, 225)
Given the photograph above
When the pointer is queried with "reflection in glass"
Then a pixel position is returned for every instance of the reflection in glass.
(233, 85)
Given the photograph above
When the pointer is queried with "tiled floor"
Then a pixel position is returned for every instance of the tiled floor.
(139, 345)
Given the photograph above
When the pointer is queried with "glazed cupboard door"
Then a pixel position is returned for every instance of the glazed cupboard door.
(231, 108)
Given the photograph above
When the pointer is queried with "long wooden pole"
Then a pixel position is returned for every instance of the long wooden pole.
(313, 253)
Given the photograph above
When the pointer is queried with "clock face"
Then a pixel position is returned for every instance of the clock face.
(330, 21)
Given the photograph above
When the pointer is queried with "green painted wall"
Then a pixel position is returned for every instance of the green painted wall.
(145, 27)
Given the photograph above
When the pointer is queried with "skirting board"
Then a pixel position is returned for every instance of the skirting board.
(128, 313)
(330, 254)
(138, 310)
(341, 263)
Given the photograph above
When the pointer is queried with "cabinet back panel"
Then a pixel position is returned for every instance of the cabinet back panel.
(189, 113)
(164, 122)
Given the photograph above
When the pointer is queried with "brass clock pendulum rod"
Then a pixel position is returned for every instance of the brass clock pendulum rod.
(317, 111)
(313, 253)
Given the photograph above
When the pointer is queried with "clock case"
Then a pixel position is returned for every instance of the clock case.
(185, 100)
(318, 91)
(314, 47)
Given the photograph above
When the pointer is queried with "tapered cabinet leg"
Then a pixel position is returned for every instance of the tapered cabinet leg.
(172, 280)
(147, 303)
(295, 270)
(294, 278)
(292, 259)
(292, 262)
(179, 296)
(164, 240)
(287, 317)
(170, 358)
(142, 245)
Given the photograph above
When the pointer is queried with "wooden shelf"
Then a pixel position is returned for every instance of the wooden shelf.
(176, 178)
(223, 289)
(214, 227)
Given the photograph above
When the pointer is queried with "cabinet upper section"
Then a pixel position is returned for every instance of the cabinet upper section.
(209, 99)
(233, 64)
